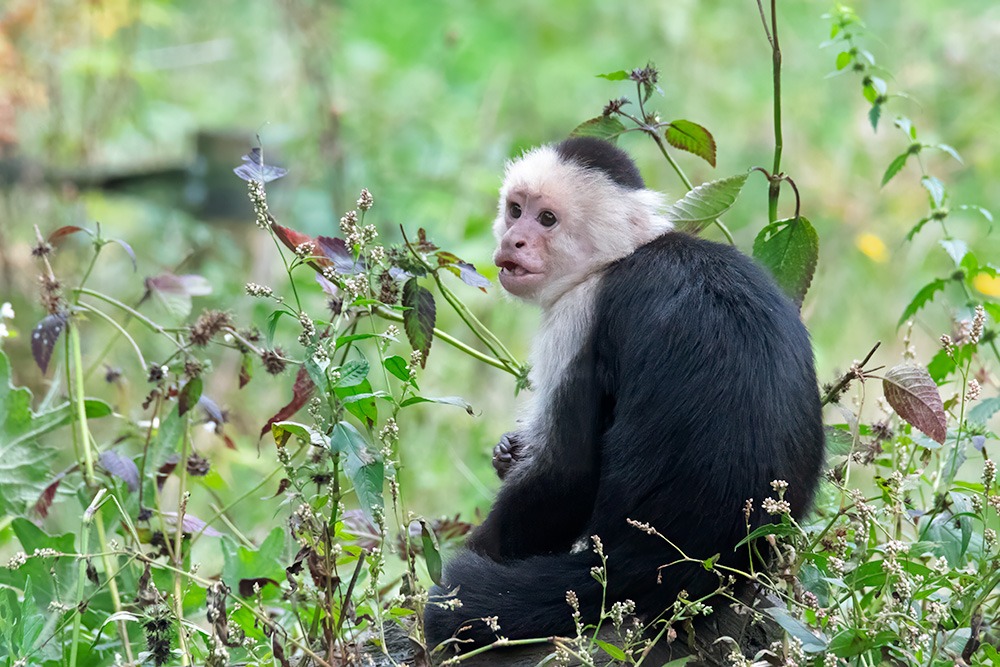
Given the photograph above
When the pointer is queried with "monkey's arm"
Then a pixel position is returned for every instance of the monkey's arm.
(547, 499)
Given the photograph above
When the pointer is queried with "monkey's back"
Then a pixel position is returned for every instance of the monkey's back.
(714, 396)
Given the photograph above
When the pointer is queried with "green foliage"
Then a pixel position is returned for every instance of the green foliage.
(790, 249)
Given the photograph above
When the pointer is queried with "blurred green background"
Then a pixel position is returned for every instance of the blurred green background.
(131, 113)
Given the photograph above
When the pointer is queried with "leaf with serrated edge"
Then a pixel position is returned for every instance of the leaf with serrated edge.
(897, 163)
(602, 127)
(790, 249)
(419, 316)
(913, 395)
(925, 294)
(706, 202)
(693, 138)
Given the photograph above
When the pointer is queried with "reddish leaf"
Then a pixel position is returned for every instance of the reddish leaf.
(419, 316)
(121, 467)
(913, 395)
(302, 391)
(246, 370)
(174, 292)
(65, 231)
(165, 470)
(282, 487)
(44, 337)
(44, 501)
(246, 586)
(291, 238)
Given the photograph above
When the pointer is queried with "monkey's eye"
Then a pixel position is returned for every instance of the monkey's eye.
(514, 210)
(547, 218)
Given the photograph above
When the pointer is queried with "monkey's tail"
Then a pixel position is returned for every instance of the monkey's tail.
(528, 597)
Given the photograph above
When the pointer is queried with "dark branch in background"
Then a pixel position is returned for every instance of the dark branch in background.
(856, 372)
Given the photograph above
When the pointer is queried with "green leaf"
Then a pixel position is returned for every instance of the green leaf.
(874, 115)
(790, 249)
(898, 163)
(24, 463)
(914, 396)
(307, 433)
(942, 364)
(705, 203)
(52, 579)
(264, 562)
(950, 151)
(916, 228)
(398, 367)
(359, 401)
(272, 324)
(811, 643)
(620, 75)
(432, 554)
(457, 401)
(693, 138)
(602, 127)
(957, 249)
(935, 188)
(984, 410)
(363, 468)
(779, 529)
(189, 395)
(418, 318)
(923, 296)
(353, 373)
(844, 59)
(612, 650)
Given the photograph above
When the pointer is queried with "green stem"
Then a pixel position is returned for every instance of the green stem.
(131, 311)
(387, 314)
(113, 586)
(488, 338)
(121, 330)
(81, 578)
(76, 364)
(774, 190)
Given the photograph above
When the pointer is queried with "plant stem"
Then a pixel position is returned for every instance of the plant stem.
(454, 342)
(113, 586)
(121, 330)
(131, 311)
(76, 371)
(774, 189)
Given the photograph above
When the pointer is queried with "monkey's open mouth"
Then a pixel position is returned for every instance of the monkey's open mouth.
(512, 269)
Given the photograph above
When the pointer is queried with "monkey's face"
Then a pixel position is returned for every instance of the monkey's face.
(529, 224)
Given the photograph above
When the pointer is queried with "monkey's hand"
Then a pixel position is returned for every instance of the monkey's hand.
(507, 453)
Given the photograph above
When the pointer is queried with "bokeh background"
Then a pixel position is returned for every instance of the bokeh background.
(131, 114)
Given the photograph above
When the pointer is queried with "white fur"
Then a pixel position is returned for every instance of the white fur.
(599, 222)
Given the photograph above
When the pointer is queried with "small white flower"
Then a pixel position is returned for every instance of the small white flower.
(6, 311)
(4, 332)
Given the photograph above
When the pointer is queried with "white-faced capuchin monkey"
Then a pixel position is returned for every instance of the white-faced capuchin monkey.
(673, 382)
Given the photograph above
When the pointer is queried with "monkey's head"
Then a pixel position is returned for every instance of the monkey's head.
(565, 212)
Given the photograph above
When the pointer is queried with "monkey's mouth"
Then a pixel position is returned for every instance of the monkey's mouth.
(513, 269)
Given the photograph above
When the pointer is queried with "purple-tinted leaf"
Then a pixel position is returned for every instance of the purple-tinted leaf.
(366, 533)
(249, 587)
(212, 410)
(913, 395)
(470, 276)
(190, 524)
(327, 286)
(254, 169)
(65, 231)
(189, 395)
(121, 467)
(174, 292)
(397, 273)
(693, 138)
(302, 391)
(978, 442)
(44, 337)
(282, 487)
(336, 251)
(165, 470)
(128, 249)
(419, 317)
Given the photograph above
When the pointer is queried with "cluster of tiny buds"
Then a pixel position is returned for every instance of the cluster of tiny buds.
(356, 286)
(989, 473)
(253, 289)
(492, 622)
(349, 223)
(598, 545)
(774, 507)
(416, 358)
(909, 351)
(747, 509)
(365, 200)
(994, 502)
(308, 329)
(377, 254)
(947, 344)
(865, 511)
(990, 537)
(978, 320)
(389, 432)
(17, 560)
(255, 189)
(973, 390)
(392, 331)
(306, 249)
(643, 526)
(835, 565)
(620, 610)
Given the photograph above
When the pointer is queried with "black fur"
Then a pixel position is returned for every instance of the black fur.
(695, 390)
(605, 157)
